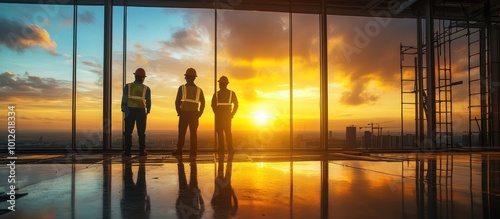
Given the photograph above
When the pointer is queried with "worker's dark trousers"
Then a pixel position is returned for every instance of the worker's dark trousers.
(135, 116)
(223, 129)
(188, 118)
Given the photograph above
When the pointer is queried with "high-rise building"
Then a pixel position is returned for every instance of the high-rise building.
(350, 137)
(367, 139)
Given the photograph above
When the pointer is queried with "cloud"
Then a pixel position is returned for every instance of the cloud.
(185, 39)
(368, 49)
(66, 21)
(184, 48)
(96, 69)
(305, 38)
(360, 51)
(139, 57)
(194, 40)
(21, 36)
(247, 35)
(239, 72)
(28, 87)
(358, 95)
(86, 17)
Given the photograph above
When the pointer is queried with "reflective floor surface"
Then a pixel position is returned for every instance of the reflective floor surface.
(335, 185)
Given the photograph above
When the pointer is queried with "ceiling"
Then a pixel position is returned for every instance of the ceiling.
(449, 9)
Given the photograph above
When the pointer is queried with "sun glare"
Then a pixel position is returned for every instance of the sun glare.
(261, 118)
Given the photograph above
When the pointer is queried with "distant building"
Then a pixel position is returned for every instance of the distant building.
(395, 142)
(466, 140)
(409, 141)
(350, 136)
(385, 141)
(367, 139)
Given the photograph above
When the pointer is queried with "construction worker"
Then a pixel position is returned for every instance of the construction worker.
(136, 104)
(224, 105)
(189, 104)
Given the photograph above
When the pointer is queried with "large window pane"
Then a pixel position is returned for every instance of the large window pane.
(165, 50)
(306, 80)
(253, 52)
(89, 76)
(364, 78)
(36, 73)
(117, 76)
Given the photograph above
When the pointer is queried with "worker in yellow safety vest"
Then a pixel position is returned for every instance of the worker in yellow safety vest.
(189, 104)
(224, 105)
(136, 104)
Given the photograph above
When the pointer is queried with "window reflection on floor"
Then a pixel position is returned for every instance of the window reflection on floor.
(249, 186)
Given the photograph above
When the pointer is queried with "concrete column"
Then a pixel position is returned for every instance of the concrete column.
(324, 77)
(107, 103)
(431, 76)
(494, 45)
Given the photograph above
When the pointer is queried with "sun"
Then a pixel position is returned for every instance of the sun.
(261, 118)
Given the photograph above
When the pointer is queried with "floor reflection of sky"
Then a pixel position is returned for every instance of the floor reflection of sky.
(379, 186)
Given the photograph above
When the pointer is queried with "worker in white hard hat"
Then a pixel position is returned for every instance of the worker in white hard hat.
(136, 104)
(224, 105)
(189, 104)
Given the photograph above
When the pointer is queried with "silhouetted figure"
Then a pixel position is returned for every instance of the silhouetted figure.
(136, 104)
(135, 202)
(224, 105)
(190, 203)
(224, 201)
(189, 103)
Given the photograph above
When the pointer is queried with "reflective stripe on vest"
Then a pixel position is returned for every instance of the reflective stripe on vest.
(134, 100)
(184, 95)
(228, 102)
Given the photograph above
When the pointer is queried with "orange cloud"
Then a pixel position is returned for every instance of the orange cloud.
(19, 37)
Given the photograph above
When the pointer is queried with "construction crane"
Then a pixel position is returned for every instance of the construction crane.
(379, 131)
(372, 127)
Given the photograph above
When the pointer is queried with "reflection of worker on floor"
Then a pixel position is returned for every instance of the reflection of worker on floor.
(224, 105)
(190, 203)
(224, 201)
(136, 104)
(135, 201)
(189, 104)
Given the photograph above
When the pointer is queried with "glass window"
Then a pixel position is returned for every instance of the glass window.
(253, 52)
(89, 77)
(184, 39)
(306, 81)
(36, 73)
(364, 90)
(117, 77)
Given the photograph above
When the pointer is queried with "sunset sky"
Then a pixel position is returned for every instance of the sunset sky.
(36, 52)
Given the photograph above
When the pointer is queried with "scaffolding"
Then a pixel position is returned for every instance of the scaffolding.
(473, 33)
(444, 108)
(477, 80)
(411, 97)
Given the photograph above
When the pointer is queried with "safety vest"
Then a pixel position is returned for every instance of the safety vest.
(190, 99)
(136, 95)
(186, 99)
(228, 103)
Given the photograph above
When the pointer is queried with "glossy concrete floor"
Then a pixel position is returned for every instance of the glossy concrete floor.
(335, 185)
